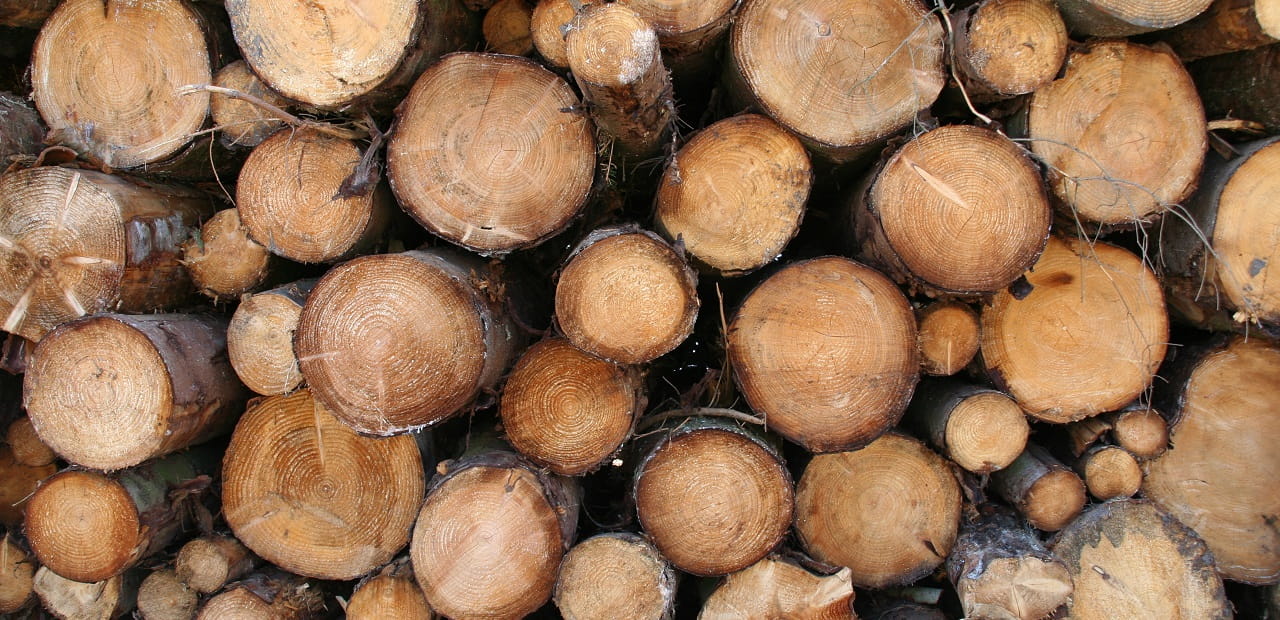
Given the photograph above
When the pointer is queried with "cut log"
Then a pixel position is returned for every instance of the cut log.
(1044, 490)
(223, 261)
(701, 524)
(1222, 402)
(270, 594)
(843, 78)
(392, 594)
(293, 197)
(78, 242)
(1002, 572)
(108, 81)
(1087, 432)
(491, 152)
(74, 600)
(210, 562)
(490, 535)
(111, 391)
(242, 124)
(26, 445)
(981, 429)
(331, 54)
(1122, 133)
(549, 25)
(826, 350)
(1141, 430)
(776, 588)
(506, 27)
(689, 31)
(25, 13)
(1087, 338)
(958, 210)
(1226, 26)
(397, 342)
(17, 576)
(17, 482)
(617, 575)
(1109, 472)
(1005, 48)
(260, 338)
(90, 527)
(21, 132)
(889, 511)
(626, 296)
(164, 596)
(1130, 559)
(568, 411)
(311, 496)
(948, 337)
(1121, 18)
(735, 194)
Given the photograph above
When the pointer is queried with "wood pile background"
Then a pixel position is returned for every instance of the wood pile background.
(639, 309)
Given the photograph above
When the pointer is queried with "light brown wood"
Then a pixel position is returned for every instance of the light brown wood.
(1087, 432)
(308, 494)
(1008, 47)
(521, 173)
(1130, 559)
(397, 342)
(1226, 26)
(506, 27)
(1141, 430)
(1122, 133)
(1121, 18)
(26, 445)
(21, 132)
(17, 576)
(78, 242)
(210, 562)
(735, 194)
(548, 26)
(1001, 570)
(1088, 337)
(392, 594)
(981, 429)
(221, 258)
(689, 31)
(111, 391)
(948, 337)
(889, 512)
(775, 588)
(626, 296)
(260, 338)
(825, 349)
(1044, 490)
(240, 123)
(164, 596)
(270, 594)
(1109, 472)
(615, 575)
(25, 13)
(74, 600)
(17, 482)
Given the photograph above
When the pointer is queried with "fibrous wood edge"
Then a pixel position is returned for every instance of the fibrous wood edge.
(1001, 570)
(777, 588)
(74, 600)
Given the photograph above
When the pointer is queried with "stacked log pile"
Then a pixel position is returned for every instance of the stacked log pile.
(639, 309)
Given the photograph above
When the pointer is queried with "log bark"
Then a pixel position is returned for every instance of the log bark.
(164, 596)
(526, 170)
(615, 575)
(947, 337)
(690, 32)
(392, 594)
(1088, 337)
(111, 391)
(825, 349)
(17, 576)
(958, 210)
(1109, 472)
(850, 91)
(701, 525)
(626, 296)
(397, 342)
(25, 13)
(981, 429)
(1001, 570)
(490, 535)
(74, 600)
(1129, 558)
(223, 261)
(1226, 26)
(1122, 133)
(506, 28)
(241, 124)
(17, 482)
(776, 588)
(1044, 490)
(260, 338)
(91, 527)
(569, 411)
(1221, 441)
(735, 194)
(270, 594)
(21, 132)
(347, 511)
(889, 512)
(26, 445)
(98, 243)
(1005, 48)
(210, 562)
(1111, 18)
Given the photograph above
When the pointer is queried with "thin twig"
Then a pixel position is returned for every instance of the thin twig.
(710, 412)
(276, 111)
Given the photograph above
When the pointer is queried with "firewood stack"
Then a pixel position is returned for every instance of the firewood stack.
(639, 309)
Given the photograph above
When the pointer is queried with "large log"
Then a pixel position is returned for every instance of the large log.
(1001, 570)
(615, 575)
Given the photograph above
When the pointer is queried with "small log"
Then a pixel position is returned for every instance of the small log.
(889, 511)
(112, 390)
(102, 243)
(1044, 490)
(397, 342)
(1130, 559)
(689, 31)
(17, 576)
(242, 124)
(548, 26)
(74, 600)
(270, 594)
(25, 13)
(525, 170)
(1119, 150)
(777, 588)
(1226, 26)
(626, 296)
(826, 350)
(981, 429)
(392, 594)
(343, 514)
(17, 482)
(506, 28)
(569, 411)
(27, 447)
(1141, 430)
(21, 132)
(1001, 571)
(293, 197)
(851, 91)
(948, 337)
(1088, 337)
(615, 575)
(91, 527)
(260, 338)
(735, 194)
(1005, 48)
(210, 562)
(1109, 472)
(701, 525)
(223, 261)
(164, 596)
(958, 210)
(490, 535)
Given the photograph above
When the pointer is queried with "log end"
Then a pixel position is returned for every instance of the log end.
(84, 526)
